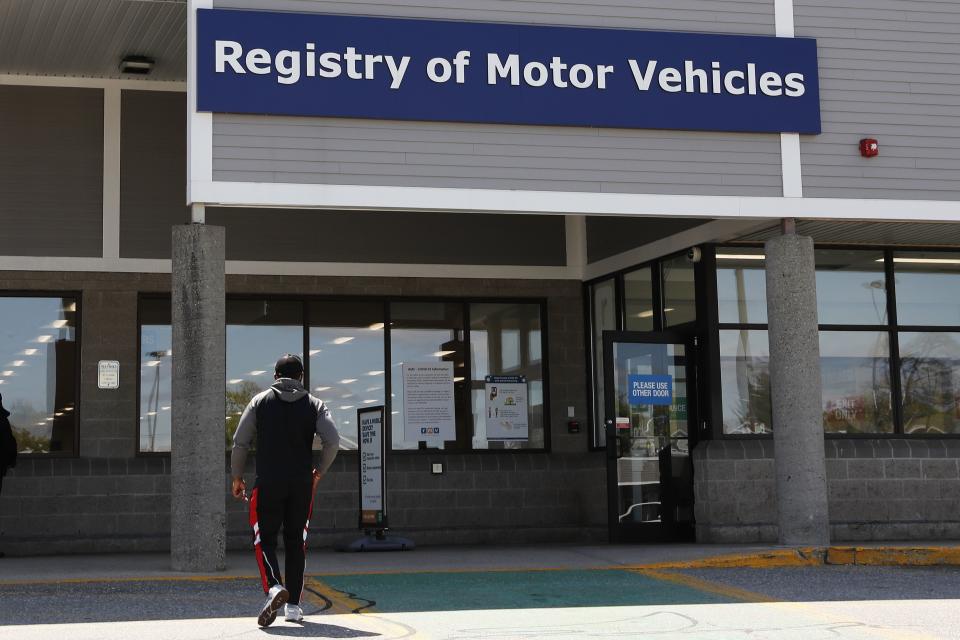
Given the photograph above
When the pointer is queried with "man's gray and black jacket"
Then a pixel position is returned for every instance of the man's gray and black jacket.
(284, 420)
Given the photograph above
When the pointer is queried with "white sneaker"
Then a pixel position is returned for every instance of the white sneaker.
(276, 598)
(293, 613)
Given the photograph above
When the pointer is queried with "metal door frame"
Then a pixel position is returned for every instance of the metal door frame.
(658, 532)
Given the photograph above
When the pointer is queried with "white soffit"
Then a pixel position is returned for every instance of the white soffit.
(88, 38)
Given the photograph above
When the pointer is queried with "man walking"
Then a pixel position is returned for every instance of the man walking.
(8, 446)
(282, 421)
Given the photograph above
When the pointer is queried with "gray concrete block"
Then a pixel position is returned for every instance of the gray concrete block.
(865, 468)
(902, 469)
(883, 489)
(915, 490)
(941, 469)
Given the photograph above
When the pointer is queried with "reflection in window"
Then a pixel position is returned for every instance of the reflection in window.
(502, 332)
(38, 371)
(258, 333)
(679, 291)
(346, 363)
(639, 309)
(603, 312)
(928, 288)
(420, 333)
(851, 287)
(745, 381)
(855, 372)
(156, 350)
(741, 285)
(930, 379)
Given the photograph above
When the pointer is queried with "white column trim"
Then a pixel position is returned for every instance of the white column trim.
(199, 125)
(790, 162)
(111, 171)
(715, 231)
(198, 213)
(576, 245)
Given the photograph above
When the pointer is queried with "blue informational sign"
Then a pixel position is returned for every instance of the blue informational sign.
(646, 389)
(344, 66)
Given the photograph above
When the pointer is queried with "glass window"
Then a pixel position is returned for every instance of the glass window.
(930, 379)
(679, 291)
(638, 308)
(258, 332)
(38, 372)
(855, 372)
(745, 381)
(851, 287)
(501, 333)
(928, 288)
(346, 365)
(741, 285)
(603, 314)
(426, 332)
(156, 349)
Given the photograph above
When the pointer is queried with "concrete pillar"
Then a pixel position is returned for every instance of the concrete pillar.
(795, 391)
(197, 481)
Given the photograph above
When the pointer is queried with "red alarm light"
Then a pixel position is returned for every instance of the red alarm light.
(869, 148)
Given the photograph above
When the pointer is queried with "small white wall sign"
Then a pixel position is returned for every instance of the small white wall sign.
(108, 374)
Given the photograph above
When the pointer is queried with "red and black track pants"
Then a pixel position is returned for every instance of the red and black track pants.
(287, 504)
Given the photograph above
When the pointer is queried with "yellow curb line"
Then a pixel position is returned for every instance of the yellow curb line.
(704, 585)
(777, 558)
(340, 602)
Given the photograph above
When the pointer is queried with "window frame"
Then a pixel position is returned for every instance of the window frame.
(78, 365)
(698, 328)
(385, 302)
(892, 328)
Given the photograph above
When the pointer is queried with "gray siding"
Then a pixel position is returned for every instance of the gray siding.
(607, 235)
(371, 152)
(888, 70)
(405, 238)
(153, 160)
(51, 171)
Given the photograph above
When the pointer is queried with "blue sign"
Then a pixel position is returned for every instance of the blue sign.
(344, 66)
(645, 389)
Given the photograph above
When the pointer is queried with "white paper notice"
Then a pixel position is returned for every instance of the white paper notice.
(108, 374)
(428, 402)
(506, 405)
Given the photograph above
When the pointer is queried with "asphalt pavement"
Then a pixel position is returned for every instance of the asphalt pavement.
(555, 593)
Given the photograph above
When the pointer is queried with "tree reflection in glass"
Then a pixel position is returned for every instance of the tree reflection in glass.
(930, 378)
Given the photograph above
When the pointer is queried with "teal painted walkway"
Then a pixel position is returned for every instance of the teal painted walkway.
(460, 591)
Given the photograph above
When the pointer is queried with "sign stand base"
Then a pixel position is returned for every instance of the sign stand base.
(377, 541)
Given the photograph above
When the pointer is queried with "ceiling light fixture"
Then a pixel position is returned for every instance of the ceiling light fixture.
(343, 340)
(30, 352)
(374, 373)
(314, 352)
(440, 354)
(235, 381)
(44, 339)
(136, 65)
(58, 324)
(321, 388)
(741, 256)
(348, 381)
(376, 326)
(925, 260)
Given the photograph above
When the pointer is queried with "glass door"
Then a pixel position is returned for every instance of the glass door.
(650, 401)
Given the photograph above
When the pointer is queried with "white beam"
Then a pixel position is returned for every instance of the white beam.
(376, 198)
(346, 269)
(576, 237)
(91, 83)
(111, 172)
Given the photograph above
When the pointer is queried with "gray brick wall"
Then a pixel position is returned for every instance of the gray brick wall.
(109, 499)
(883, 489)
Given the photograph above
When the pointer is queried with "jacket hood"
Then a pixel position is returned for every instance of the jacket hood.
(288, 389)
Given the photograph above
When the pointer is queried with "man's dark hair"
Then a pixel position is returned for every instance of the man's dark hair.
(289, 366)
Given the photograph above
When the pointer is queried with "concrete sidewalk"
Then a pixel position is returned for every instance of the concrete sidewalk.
(155, 566)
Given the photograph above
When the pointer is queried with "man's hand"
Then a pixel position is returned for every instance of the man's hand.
(239, 489)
